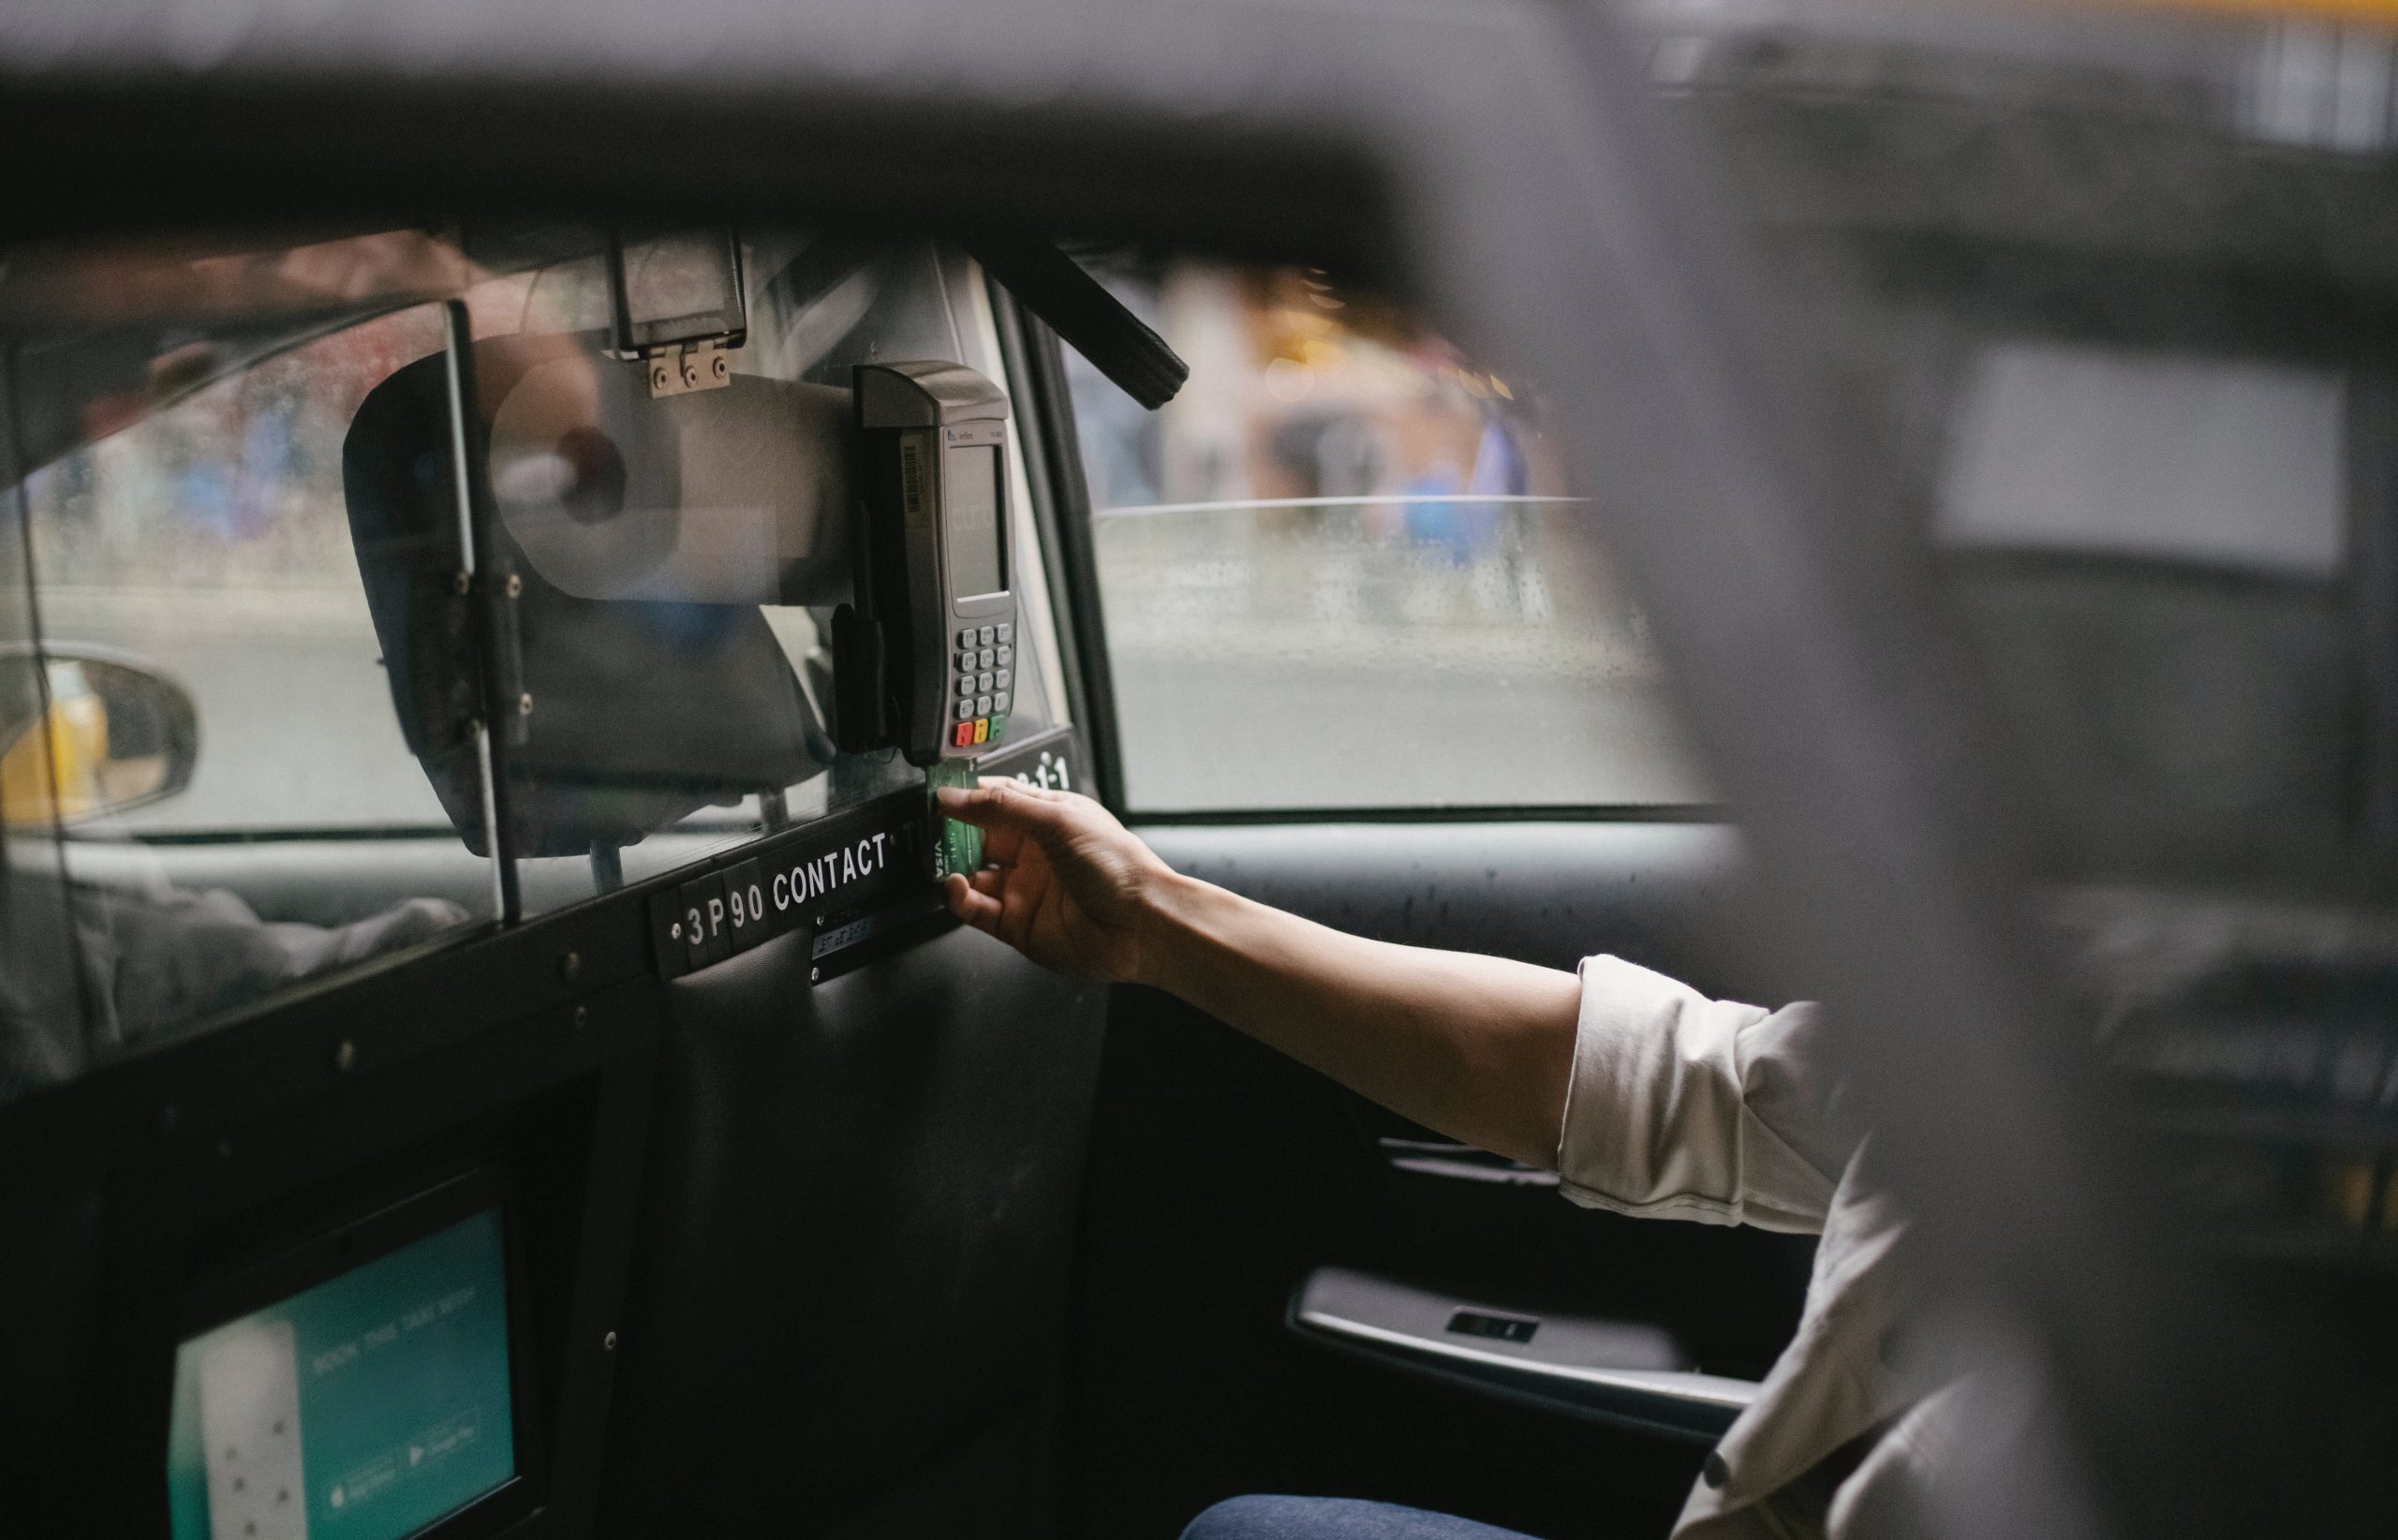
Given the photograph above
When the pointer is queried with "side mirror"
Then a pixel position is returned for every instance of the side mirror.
(84, 732)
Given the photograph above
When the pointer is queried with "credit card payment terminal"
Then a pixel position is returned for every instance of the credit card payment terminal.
(925, 659)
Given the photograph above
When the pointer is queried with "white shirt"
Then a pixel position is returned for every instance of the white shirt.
(1683, 1107)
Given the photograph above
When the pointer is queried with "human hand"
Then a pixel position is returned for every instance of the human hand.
(1067, 884)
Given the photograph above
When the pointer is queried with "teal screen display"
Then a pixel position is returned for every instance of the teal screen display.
(362, 1409)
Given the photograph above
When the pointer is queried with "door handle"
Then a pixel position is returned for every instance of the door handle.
(1625, 1372)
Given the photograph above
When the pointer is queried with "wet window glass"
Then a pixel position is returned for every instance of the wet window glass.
(243, 669)
(1344, 568)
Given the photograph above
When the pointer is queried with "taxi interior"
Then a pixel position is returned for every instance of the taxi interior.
(349, 948)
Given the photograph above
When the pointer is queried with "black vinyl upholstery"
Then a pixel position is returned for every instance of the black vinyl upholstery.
(852, 1275)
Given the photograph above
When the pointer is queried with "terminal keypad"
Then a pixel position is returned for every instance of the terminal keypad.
(983, 670)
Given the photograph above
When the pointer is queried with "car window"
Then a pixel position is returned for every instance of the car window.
(1346, 567)
(238, 681)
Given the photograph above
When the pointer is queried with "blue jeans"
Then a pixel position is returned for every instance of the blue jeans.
(1332, 1518)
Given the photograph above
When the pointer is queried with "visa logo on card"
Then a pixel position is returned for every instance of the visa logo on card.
(959, 847)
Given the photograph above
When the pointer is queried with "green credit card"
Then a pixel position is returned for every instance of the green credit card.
(959, 847)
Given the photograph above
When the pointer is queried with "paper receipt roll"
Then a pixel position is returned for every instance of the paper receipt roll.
(738, 495)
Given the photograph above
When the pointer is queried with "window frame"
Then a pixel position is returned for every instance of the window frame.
(1061, 515)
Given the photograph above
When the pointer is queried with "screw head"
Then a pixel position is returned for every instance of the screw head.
(660, 378)
(569, 964)
(346, 1056)
(524, 705)
(719, 367)
(609, 1341)
(515, 585)
(582, 1016)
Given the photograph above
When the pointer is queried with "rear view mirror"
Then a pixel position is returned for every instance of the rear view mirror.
(86, 732)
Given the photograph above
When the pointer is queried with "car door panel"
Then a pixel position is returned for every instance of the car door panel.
(1225, 1177)
(1547, 892)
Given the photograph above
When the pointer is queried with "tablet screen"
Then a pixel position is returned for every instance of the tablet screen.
(364, 1408)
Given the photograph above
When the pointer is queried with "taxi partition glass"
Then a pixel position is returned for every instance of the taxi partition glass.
(818, 306)
(178, 417)
(236, 488)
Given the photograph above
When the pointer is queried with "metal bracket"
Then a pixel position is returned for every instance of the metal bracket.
(679, 370)
(489, 589)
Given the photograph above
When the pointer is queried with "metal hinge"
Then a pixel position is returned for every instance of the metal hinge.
(680, 369)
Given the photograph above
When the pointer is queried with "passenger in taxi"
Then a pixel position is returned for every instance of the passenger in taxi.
(101, 968)
(144, 963)
(1646, 1096)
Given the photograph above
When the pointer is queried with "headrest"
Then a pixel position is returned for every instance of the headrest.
(644, 710)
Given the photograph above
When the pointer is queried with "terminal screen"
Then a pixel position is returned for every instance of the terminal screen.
(974, 520)
(364, 1408)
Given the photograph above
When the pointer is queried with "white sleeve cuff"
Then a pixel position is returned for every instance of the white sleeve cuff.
(1660, 1114)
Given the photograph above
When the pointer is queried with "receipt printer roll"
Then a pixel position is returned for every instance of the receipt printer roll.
(737, 495)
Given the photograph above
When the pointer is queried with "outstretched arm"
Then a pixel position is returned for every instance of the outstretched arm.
(1477, 1047)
